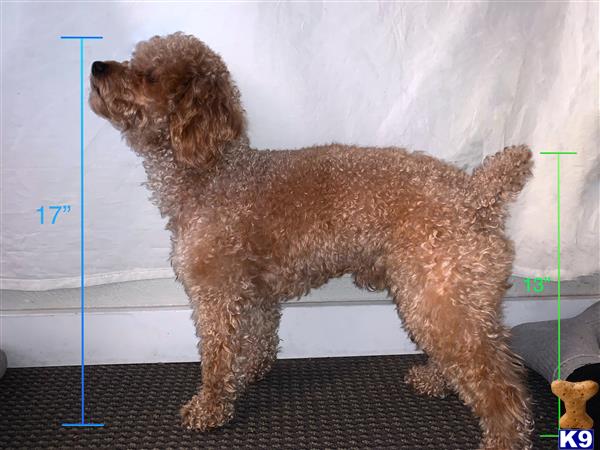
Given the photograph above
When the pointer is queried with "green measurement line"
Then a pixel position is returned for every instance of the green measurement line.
(558, 153)
(558, 269)
(558, 291)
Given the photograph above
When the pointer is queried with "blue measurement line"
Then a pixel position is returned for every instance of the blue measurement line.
(82, 37)
(83, 425)
(82, 205)
(82, 231)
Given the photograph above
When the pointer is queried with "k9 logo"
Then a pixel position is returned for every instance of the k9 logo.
(568, 439)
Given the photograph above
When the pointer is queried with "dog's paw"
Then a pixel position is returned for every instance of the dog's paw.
(202, 415)
(427, 381)
(504, 443)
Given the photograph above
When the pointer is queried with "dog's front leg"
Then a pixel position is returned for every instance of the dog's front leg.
(219, 324)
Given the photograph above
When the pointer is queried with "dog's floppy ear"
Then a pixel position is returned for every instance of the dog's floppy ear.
(207, 115)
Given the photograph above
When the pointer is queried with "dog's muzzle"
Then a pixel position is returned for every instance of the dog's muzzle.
(99, 68)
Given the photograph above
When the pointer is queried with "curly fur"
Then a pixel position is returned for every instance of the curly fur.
(253, 228)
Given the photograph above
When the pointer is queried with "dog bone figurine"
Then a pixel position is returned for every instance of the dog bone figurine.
(575, 396)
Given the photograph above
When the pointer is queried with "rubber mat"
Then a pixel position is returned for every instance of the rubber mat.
(353, 402)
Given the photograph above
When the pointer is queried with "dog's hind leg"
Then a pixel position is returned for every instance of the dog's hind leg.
(428, 379)
(453, 314)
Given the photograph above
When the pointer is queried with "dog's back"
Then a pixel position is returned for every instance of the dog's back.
(336, 209)
(362, 187)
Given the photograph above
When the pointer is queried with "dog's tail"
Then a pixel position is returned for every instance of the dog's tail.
(498, 181)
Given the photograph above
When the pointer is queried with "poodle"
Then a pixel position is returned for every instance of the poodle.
(250, 229)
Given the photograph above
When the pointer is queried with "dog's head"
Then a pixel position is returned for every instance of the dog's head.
(174, 88)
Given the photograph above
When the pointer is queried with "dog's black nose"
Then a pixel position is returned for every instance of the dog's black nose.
(99, 68)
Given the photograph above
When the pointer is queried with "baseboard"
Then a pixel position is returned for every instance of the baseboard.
(166, 334)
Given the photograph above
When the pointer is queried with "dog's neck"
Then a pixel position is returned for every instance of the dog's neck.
(174, 185)
(168, 181)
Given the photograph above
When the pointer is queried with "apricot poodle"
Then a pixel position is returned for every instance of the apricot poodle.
(253, 228)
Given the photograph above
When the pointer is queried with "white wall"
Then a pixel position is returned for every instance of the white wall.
(167, 335)
(459, 80)
(149, 321)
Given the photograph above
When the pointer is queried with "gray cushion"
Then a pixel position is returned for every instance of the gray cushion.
(580, 343)
(3, 363)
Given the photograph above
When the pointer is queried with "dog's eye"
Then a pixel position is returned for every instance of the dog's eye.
(150, 77)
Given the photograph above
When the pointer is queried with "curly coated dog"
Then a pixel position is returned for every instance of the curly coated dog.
(252, 228)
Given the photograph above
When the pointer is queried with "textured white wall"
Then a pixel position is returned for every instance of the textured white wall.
(458, 80)
(47, 338)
